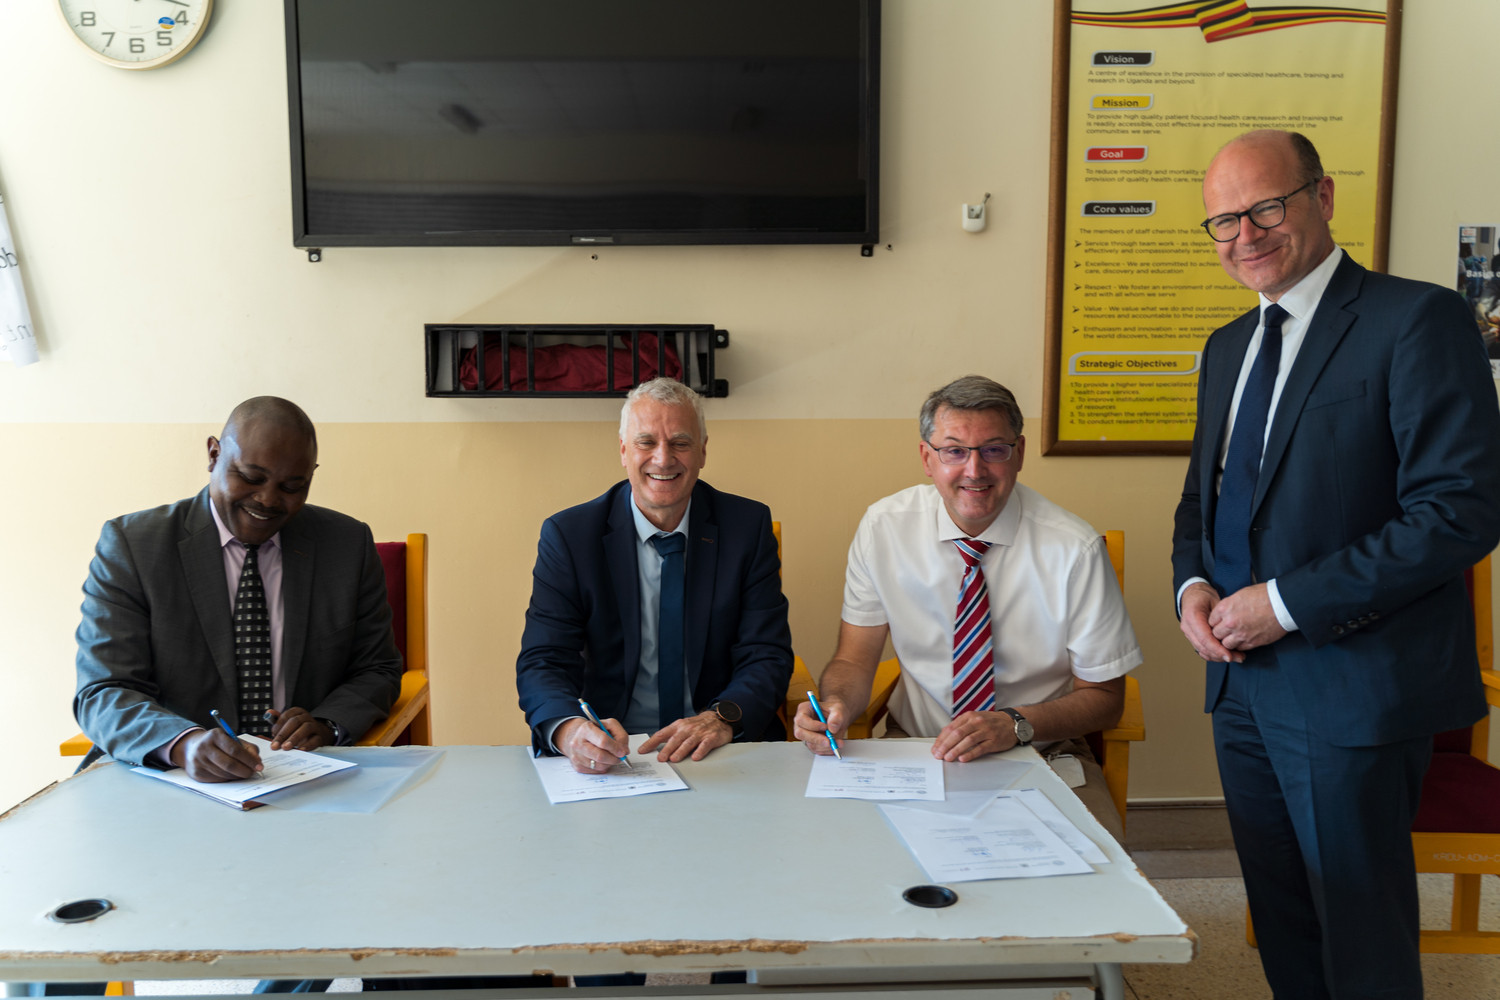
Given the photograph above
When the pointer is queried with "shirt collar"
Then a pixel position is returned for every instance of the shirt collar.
(1001, 531)
(226, 536)
(644, 529)
(1302, 298)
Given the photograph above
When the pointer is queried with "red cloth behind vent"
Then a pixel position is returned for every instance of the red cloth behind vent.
(567, 367)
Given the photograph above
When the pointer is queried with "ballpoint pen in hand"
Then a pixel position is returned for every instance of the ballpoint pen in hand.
(824, 719)
(595, 720)
(224, 725)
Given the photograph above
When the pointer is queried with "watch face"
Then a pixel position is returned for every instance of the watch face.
(137, 34)
(728, 711)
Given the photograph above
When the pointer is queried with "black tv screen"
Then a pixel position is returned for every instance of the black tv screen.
(536, 122)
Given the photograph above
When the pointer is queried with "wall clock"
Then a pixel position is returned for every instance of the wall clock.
(137, 34)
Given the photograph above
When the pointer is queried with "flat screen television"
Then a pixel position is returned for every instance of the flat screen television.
(555, 122)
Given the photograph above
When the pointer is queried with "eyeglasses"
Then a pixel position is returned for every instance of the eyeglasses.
(958, 454)
(1267, 215)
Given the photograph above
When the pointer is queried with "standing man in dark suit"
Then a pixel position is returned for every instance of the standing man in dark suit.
(1345, 471)
(157, 649)
(686, 640)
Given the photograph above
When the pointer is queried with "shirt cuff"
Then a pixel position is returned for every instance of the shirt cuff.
(162, 756)
(1277, 605)
(1185, 586)
(548, 728)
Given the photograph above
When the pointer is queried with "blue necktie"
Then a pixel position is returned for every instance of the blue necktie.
(1232, 569)
(670, 675)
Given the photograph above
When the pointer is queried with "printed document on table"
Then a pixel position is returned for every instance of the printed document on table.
(884, 770)
(283, 768)
(1002, 840)
(644, 776)
(1046, 810)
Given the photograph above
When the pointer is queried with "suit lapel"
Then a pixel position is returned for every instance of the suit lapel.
(202, 559)
(298, 560)
(702, 570)
(1219, 386)
(620, 559)
(1329, 323)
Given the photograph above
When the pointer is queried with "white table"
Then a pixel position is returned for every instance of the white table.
(473, 872)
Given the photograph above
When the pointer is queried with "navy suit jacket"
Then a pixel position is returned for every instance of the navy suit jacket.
(156, 645)
(1379, 486)
(582, 636)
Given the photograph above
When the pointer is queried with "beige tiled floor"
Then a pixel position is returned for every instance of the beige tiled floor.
(1189, 856)
(1227, 968)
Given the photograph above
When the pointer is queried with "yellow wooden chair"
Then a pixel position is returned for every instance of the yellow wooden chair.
(1457, 830)
(1111, 746)
(410, 719)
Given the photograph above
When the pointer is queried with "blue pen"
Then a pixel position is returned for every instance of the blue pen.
(595, 720)
(220, 720)
(824, 719)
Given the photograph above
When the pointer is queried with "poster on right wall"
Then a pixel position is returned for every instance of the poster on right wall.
(1144, 94)
(1479, 284)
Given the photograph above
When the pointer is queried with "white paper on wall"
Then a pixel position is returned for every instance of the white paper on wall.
(17, 341)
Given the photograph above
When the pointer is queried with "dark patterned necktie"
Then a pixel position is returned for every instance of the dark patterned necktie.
(252, 648)
(670, 674)
(973, 644)
(1232, 569)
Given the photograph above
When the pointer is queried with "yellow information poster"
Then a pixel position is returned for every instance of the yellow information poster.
(1152, 93)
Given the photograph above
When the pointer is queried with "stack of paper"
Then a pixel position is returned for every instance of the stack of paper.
(644, 776)
(883, 770)
(981, 835)
(283, 769)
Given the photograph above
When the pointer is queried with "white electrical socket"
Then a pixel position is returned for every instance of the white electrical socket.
(974, 218)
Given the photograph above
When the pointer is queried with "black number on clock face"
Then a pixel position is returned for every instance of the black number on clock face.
(85, 19)
(137, 45)
(164, 39)
(110, 35)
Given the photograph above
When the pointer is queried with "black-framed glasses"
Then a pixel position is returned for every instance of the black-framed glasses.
(1266, 215)
(958, 454)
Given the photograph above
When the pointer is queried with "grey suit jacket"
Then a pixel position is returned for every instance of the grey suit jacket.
(156, 650)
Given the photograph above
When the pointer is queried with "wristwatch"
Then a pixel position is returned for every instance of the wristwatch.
(338, 732)
(728, 712)
(1024, 732)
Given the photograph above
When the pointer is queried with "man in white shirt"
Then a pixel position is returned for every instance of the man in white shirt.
(1029, 645)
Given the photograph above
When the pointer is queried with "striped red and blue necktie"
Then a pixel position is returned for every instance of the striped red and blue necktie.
(973, 646)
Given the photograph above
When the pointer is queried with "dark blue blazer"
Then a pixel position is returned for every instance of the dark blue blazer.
(582, 636)
(1380, 484)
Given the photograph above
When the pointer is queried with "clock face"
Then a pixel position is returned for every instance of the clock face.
(137, 34)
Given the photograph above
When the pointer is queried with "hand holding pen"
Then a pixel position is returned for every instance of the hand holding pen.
(207, 755)
(828, 730)
(612, 741)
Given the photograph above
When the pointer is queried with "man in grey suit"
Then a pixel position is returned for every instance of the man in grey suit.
(157, 648)
(1345, 472)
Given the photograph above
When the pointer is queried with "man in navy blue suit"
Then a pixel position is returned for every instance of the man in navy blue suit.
(1345, 471)
(602, 624)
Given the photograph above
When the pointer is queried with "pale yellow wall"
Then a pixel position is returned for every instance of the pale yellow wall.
(152, 210)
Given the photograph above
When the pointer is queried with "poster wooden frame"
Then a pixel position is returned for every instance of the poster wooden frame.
(1059, 260)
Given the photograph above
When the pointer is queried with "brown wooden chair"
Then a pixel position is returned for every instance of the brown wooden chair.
(409, 721)
(1111, 746)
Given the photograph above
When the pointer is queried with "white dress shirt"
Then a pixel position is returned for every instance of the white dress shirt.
(1300, 302)
(1056, 610)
